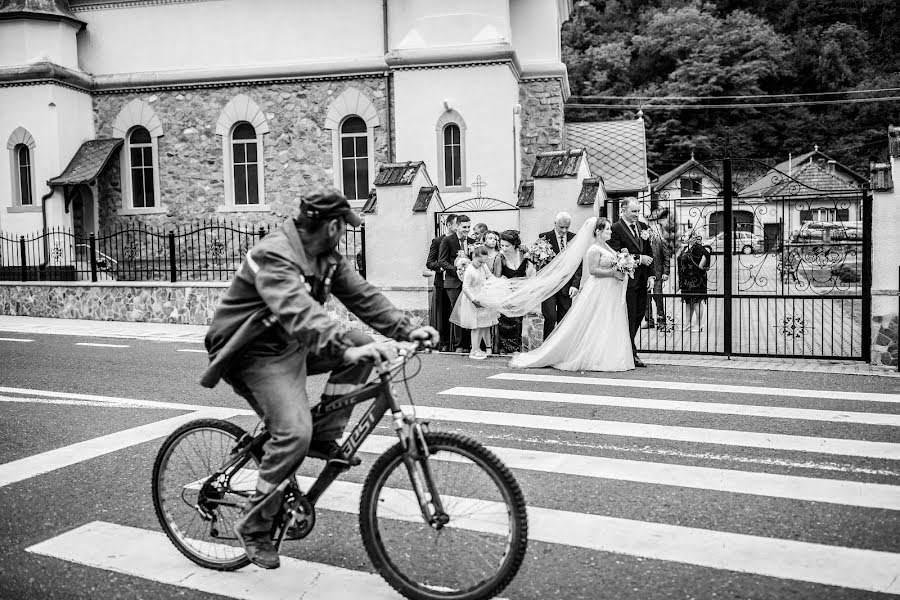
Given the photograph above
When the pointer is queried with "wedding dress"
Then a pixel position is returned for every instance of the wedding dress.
(594, 334)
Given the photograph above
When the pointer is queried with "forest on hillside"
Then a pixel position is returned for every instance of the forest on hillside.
(696, 68)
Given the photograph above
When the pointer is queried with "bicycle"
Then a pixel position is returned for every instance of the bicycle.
(444, 491)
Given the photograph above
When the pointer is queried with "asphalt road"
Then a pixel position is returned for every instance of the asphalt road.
(797, 495)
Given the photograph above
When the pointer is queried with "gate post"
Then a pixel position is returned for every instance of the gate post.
(92, 248)
(866, 332)
(727, 249)
(22, 255)
(173, 264)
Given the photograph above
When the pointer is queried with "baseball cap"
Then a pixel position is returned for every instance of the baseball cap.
(328, 203)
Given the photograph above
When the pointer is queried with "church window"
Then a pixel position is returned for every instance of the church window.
(451, 152)
(355, 158)
(140, 154)
(23, 176)
(452, 156)
(245, 164)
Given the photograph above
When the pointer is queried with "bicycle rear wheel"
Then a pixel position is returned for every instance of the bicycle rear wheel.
(480, 549)
(198, 514)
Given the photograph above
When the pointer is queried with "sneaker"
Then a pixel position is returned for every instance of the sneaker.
(259, 546)
(478, 355)
(329, 450)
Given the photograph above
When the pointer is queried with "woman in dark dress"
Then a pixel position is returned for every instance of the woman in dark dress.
(693, 263)
(511, 262)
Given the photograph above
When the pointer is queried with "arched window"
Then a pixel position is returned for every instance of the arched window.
(355, 158)
(140, 154)
(24, 187)
(452, 155)
(245, 164)
(451, 152)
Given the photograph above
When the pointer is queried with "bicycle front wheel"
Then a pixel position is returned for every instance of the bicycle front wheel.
(196, 511)
(479, 549)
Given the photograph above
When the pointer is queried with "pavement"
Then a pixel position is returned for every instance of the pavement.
(168, 332)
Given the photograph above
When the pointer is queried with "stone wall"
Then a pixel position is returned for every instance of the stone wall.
(297, 155)
(884, 340)
(188, 304)
(543, 128)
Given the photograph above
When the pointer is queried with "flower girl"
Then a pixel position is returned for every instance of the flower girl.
(468, 312)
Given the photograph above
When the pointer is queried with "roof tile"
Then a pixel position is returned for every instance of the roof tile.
(398, 173)
(557, 164)
(526, 194)
(616, 151)
(88, 161)
(426, 193)
(589, 189)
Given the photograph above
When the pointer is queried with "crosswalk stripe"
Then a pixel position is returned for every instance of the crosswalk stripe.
(101, 345)
(869, 570)
(52, 460)
(114, 400)
(726, 437)
(832, 491)
(6, 339)
(702, 387)
(776, 412)
(150, 555)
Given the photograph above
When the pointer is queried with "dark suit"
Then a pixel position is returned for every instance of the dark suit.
(662, 262)
(449, 249)
(556, 306)
(439, 311)
(636, 296)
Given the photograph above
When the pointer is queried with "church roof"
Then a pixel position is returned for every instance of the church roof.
(88, 161)
(558, 163)
(616, 151)
(426, 193)
(526, 194)
(589, 189)
(398, 173)
(38, 9)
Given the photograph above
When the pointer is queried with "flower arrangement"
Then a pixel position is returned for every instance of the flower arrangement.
(625, 263)
(461, 262)
(539, 253)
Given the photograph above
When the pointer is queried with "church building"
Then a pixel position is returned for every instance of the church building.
(171, 111)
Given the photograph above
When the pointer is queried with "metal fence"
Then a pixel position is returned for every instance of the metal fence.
(205, 251)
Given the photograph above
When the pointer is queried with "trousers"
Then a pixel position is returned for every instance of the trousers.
(275, 387)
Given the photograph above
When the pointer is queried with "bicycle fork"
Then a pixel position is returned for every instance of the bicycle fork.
(415, 457)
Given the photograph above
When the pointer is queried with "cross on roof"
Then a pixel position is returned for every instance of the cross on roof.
(478, 184)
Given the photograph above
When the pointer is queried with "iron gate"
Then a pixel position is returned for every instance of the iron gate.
(796, 280)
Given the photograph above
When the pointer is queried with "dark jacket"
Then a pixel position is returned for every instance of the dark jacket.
(550, 236)
(278, 294)
(432, 263)
(448, 252)
(662, 258)
(622, 237)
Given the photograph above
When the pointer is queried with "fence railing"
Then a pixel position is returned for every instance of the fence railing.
(206, 251)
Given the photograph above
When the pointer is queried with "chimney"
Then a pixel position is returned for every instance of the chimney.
(894, 141)
(829, 167)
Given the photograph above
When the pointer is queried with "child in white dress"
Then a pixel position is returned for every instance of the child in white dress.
(468, 312)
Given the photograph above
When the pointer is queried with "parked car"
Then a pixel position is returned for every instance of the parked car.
(744, 242)
(817, 231)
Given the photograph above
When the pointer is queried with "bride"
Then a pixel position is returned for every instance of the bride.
(593, 336)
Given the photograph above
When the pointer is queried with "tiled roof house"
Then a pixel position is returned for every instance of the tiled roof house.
(616, 151)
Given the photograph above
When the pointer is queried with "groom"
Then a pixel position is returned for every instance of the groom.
(630, 234)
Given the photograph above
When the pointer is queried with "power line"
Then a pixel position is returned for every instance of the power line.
(646, 107)
(697, 98)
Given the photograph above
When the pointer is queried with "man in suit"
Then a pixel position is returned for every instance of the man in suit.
(629, 233)
(439, 313)
(662, 262)
(447, 253)
(556, 306)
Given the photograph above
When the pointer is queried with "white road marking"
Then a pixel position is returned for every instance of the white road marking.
(854, 568)
(6, 339)
(775, 412)
(773, 441)
(191, 350)
(115, 400)
(833, 491)
(702, 387)
(102, 345)
(52, 460)
(150, 555)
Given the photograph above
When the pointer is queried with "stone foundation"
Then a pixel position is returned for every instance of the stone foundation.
(884, 340)
(188, 304)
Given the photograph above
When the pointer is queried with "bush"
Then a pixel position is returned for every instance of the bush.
(846, 274)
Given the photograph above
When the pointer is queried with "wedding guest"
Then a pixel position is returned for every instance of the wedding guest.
(693, 263)
(440, 307)
(468, 313)
(450, 248)
(478, 232)
(491, 241)
(662, 262)
(511, 262)
(556, 306)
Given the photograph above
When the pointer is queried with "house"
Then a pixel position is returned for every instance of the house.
(690, 192)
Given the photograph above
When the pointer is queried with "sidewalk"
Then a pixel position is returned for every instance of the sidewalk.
(193, 334)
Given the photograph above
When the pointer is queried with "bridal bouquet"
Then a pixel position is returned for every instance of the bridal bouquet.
(462, 261)
(540, 252)
(625, 263)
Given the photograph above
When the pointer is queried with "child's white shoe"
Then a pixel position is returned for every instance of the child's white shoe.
(477, 355)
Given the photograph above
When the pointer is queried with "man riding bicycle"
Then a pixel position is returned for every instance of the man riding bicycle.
(271, 330)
